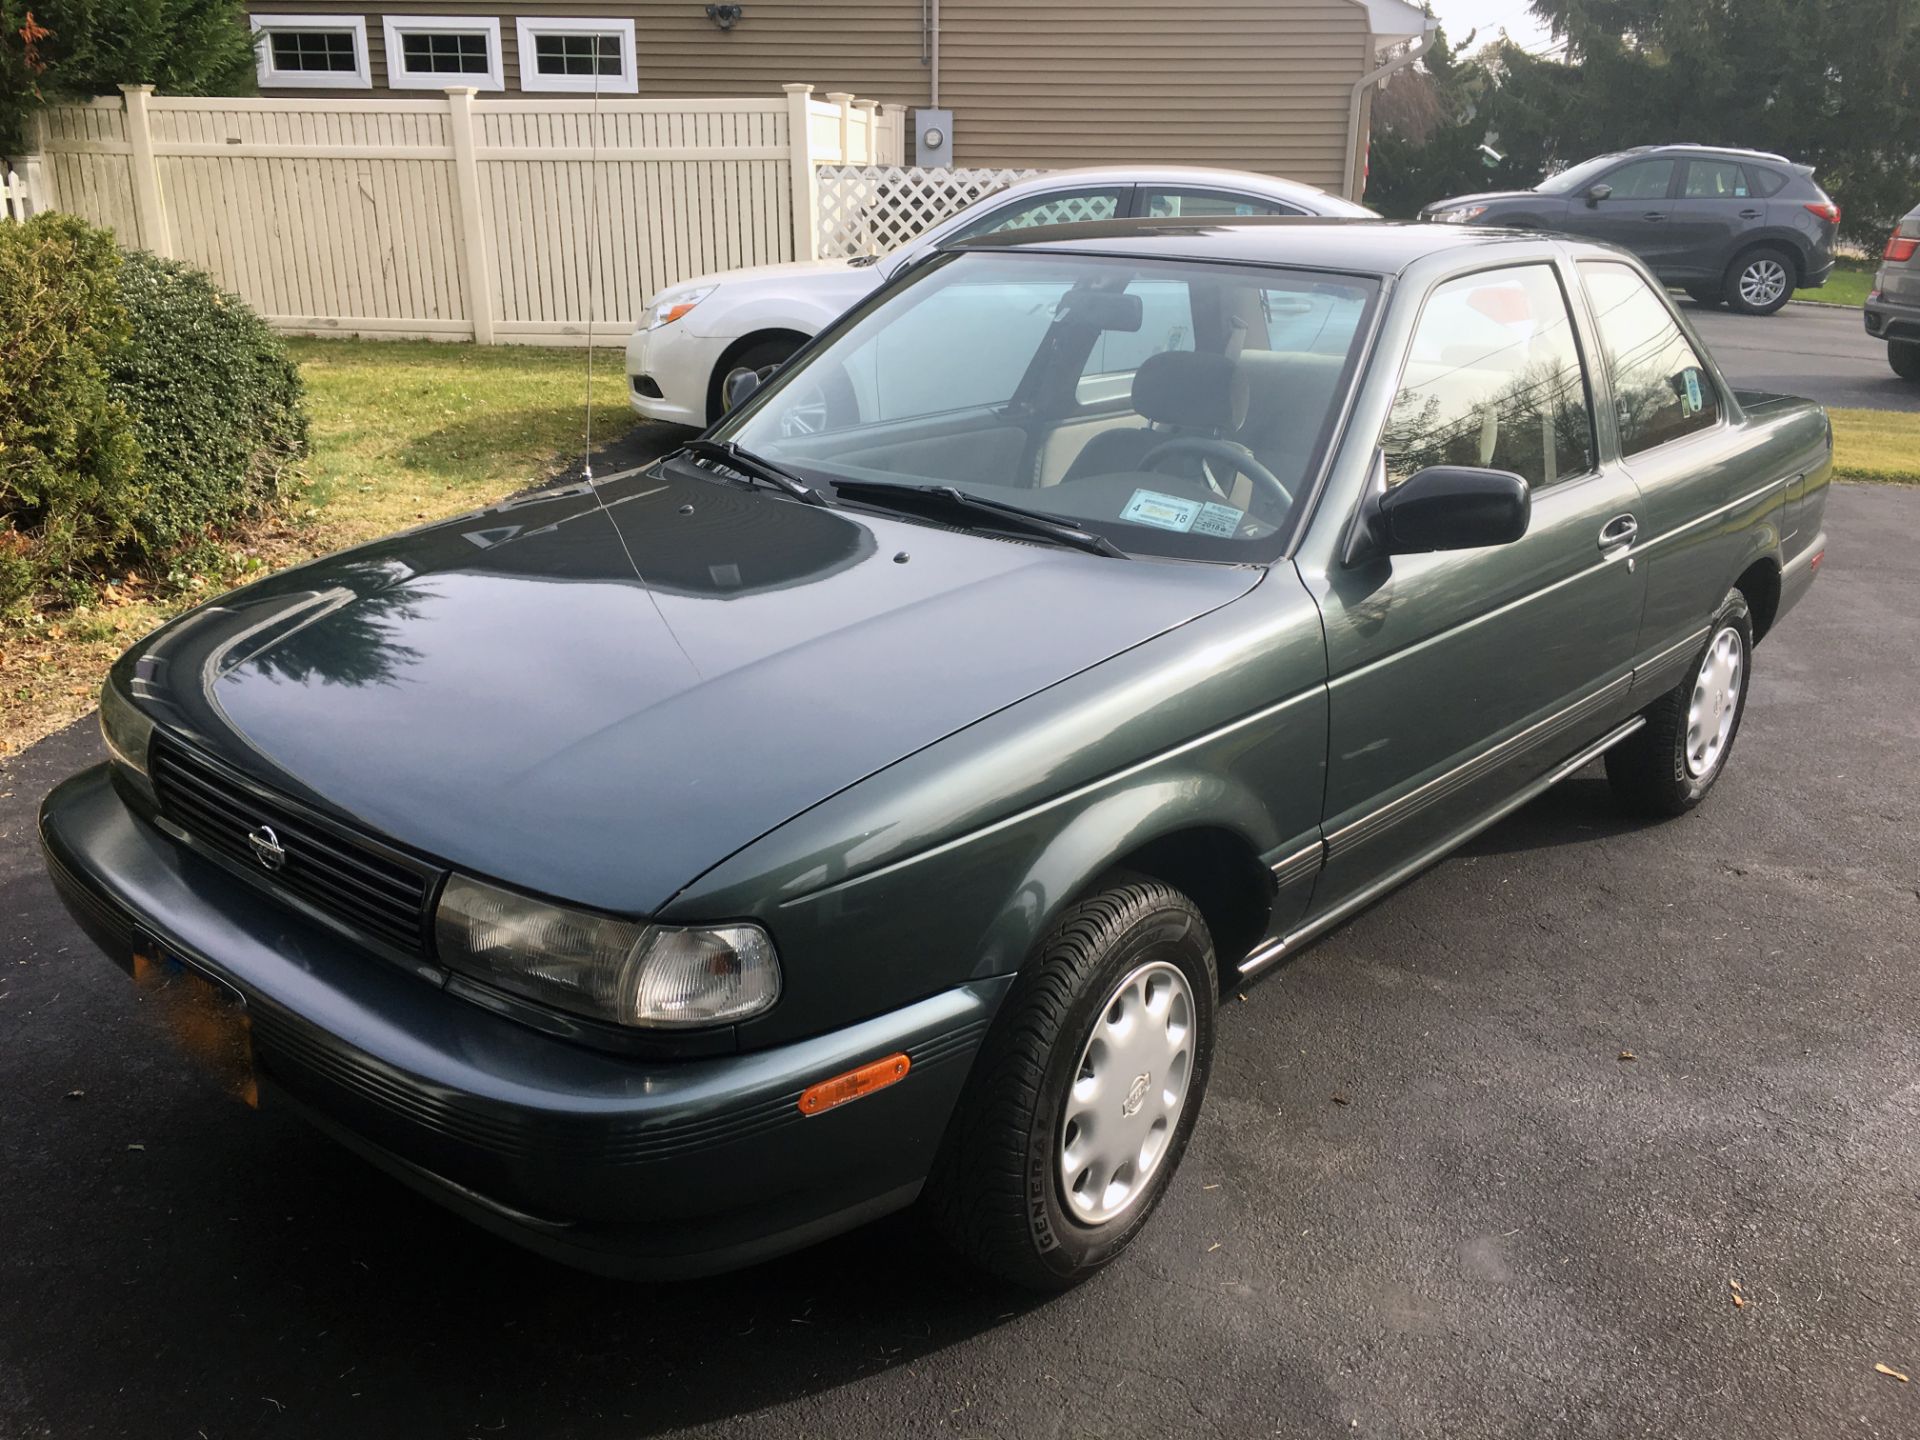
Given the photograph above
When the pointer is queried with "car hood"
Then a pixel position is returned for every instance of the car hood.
(788, 273)
(505, 693)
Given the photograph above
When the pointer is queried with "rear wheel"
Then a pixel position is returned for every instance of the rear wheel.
(1904, 357)
(1667, 766)
(1760, 281)
(1084, 1095)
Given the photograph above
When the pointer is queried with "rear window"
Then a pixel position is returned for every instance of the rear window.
(1766, 182)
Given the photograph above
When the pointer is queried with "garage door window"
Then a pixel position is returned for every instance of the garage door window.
(311, 52)
(431, 52)
(1493, 378)
(577, 56)
(1661, 391)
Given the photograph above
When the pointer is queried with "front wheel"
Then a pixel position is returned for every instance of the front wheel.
(1760, 281)
(1084, 1095)
(1904, 357)
(1666, 767)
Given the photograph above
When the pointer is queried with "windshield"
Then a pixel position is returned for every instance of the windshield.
(1171, 407)
(1577, 177)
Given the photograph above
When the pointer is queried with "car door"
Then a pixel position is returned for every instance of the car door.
(1637, 212)
(1171, 202)
(1671, 419)
(1458, 677)
(1715, 206)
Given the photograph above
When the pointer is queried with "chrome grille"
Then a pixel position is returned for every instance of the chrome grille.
(365, 886)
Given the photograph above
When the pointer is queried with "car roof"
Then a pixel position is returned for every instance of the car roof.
(1693, 148)
(1368, 247)
(1202, 176)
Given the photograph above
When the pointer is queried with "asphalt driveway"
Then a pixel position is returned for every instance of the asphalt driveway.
(1821, 351)
(1501, 1226)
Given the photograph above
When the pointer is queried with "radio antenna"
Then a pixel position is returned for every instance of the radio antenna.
(593, 237)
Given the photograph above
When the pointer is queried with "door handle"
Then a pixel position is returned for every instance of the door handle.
(1749, 214)
(1653, 216)
(1618, 531)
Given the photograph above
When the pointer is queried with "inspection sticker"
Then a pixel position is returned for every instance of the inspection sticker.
(1167, 512)
(1692, 378)
(1221, 520)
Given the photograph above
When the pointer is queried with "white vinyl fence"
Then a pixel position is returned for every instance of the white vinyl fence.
(547, 221)
(20, 194)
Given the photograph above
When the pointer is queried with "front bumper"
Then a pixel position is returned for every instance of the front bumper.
(1888, 320)
(667, 373)
(643, 1167)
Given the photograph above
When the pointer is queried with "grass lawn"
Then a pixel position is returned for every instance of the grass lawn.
(403, 432)
(1876, 445)
(1848, 285)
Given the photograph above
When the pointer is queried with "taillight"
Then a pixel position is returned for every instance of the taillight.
(1825, 209)
(1900, 247)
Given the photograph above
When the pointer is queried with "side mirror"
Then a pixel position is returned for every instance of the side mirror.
(1597, 193)
(1444, 507)
(738, 385)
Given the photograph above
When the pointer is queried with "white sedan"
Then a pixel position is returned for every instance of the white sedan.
(693, 335)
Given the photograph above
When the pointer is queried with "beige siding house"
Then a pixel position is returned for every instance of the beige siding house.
(1274, 85)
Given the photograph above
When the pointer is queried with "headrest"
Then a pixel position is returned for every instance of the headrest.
(1195, 392)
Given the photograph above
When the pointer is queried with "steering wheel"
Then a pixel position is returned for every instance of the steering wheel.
(1227, 452)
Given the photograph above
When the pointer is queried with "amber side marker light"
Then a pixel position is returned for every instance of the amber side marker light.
(876, 1075)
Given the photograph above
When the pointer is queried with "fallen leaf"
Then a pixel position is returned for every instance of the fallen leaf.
(1628, 1055)
(1734, 1283)
(75, 1094)
(1339, 1099)
(1739, 1302)
(136, 1147)
(1889, 1370)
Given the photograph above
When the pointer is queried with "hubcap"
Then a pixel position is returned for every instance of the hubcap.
(1716, 700)
(1763, 282)
(1127, 1094)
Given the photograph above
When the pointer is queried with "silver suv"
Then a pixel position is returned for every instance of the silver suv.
(1893, 305)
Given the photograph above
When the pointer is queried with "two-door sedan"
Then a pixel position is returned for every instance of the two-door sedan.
(871, 802)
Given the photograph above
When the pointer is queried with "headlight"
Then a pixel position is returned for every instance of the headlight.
(127, 731)
(669, 305)
(651, 976)
(1459, 214)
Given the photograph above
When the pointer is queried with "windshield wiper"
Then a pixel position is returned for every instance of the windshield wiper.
(725, 452)
(945, 501)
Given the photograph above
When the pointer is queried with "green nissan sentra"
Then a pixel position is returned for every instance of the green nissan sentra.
(871, 802)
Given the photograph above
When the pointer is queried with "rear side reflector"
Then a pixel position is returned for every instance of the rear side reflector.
(1900, 247)
(876, 1075)
(1814, 564)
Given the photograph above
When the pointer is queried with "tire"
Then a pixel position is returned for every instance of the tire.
(1704, 296)
(774, 350)
(1904, 357)
(998, 1195)
(1760, 281)
(1660, 769)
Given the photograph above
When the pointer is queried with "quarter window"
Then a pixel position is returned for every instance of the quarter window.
(1066, 208)
(1715, 180)
(580, 56)
(1642, 180)
(431, 52)
(1210, 204)
(325, 52)
(1493, 378)
(1661, 391)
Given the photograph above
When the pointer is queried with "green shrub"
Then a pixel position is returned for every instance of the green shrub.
(216, 403)
(68, 459)
(140, 407)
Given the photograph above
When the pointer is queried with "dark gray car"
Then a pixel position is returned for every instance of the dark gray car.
(1893, 305)
(1743, 226)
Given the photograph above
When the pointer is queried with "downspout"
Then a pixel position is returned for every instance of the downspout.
(1366, 82)
(930, 49)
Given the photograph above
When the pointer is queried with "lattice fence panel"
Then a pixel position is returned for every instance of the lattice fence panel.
(871, 209)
